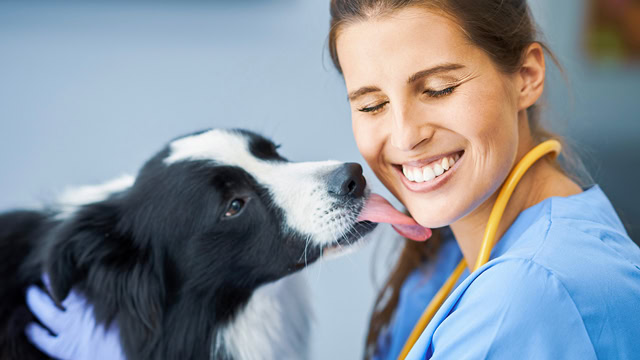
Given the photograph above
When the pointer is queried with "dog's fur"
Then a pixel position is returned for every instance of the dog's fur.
(157, 254)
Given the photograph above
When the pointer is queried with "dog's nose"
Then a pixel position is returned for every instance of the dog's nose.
(347, 181)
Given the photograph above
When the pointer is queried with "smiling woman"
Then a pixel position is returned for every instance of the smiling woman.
(443, 97)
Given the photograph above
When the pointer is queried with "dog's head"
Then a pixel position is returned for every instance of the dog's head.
(227, 197)
(218, 208)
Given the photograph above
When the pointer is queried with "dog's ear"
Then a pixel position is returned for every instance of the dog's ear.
(92, 250)
(80, 242)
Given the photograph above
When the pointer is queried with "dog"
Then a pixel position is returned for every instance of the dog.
(193, 255)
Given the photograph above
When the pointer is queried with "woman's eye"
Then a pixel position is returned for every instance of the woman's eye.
(373, 109)
(234, 208)
(439, 93)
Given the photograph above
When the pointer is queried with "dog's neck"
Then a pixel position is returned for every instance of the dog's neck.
(274, 324)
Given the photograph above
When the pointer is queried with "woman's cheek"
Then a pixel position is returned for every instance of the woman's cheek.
(368, 140)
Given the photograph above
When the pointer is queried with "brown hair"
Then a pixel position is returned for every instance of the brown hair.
(504, 29)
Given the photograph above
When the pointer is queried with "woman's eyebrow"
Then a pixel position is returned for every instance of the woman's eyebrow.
(434, 70)
(363, 90)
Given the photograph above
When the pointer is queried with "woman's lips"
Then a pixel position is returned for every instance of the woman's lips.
(432, 159)
(433, 183)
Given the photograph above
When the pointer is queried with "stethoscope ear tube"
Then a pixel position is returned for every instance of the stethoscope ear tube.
(488, 240)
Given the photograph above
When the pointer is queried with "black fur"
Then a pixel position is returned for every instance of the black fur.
(159, 258)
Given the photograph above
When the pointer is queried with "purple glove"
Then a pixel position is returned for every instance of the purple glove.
(77, 334)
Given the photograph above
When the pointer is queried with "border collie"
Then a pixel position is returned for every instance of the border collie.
(186, 256)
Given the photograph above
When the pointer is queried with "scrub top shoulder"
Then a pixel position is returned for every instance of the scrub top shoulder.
(562, 282)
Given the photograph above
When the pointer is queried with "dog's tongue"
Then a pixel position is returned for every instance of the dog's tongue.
(377, 209)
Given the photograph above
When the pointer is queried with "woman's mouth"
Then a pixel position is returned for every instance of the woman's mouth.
(422, 176)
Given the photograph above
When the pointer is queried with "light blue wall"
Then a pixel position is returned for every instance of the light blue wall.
(91, 90)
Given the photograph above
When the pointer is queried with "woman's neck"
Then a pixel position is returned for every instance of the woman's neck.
(540, 182)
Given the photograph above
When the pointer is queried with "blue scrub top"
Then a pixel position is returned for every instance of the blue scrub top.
(562, 283)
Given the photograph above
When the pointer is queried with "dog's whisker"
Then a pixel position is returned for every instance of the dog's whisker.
(306, 245)
(320, 267)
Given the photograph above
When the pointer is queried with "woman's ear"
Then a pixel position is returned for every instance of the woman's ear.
(531, 76)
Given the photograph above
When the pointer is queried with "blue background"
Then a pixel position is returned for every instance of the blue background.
(89, 90)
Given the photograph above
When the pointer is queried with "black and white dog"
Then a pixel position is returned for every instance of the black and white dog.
(186, 257)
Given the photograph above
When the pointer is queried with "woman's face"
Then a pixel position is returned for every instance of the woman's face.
(432, 115)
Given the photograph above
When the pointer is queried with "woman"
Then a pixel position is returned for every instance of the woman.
(430, 79)
(443, 96)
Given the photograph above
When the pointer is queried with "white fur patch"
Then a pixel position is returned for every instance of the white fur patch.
(275, 324)
(73, 198)
(299, 189)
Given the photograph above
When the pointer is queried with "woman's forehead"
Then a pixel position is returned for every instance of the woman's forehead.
(405, 41)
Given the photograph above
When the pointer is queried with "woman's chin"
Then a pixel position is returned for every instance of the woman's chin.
(431, 219)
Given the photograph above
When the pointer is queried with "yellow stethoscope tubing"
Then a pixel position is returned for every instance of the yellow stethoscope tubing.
(488, 240)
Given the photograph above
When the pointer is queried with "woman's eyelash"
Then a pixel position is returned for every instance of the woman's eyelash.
(373, 108)
(431, 93)
(439, 93)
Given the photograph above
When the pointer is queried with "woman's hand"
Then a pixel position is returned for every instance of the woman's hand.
(76, 335)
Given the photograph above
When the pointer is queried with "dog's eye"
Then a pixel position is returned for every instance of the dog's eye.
(234, 208)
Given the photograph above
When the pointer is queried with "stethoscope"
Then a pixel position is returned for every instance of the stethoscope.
(488, 240)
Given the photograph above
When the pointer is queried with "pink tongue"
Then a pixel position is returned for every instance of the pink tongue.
(379, 210)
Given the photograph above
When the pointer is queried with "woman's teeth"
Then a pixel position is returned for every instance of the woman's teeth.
(431, 171)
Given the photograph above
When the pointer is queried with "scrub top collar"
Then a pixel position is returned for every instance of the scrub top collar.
(528, 216)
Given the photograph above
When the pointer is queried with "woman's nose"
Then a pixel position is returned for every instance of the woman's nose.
(408, 129)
